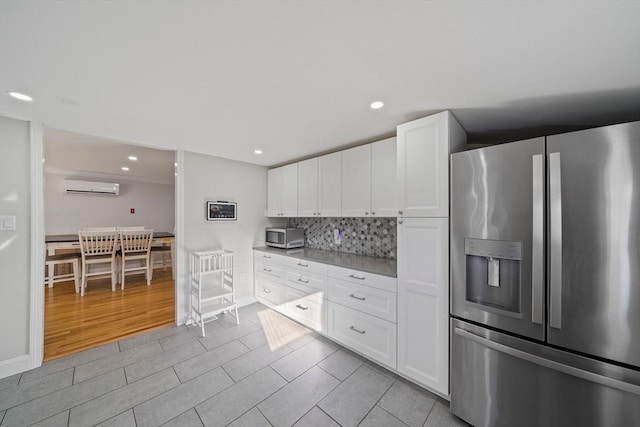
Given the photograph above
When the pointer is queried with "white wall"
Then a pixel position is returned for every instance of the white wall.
(212, 178)
(15, 178)
(67, 213)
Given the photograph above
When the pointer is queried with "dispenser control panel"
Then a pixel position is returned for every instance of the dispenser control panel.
(503, 249)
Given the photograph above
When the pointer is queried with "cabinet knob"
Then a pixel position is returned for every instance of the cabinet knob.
(400, 221)
(400, 212)
(373, 213)
(366, 213)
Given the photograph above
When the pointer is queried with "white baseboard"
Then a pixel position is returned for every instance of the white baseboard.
(15, 366)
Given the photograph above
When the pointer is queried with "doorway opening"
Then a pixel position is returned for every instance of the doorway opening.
(146, 198)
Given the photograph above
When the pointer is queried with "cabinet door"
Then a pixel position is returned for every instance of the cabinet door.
(356, 181)
(423, 301)
(330, 184)
(290, 190)
(373, 337)
(384, 188)
(423, 167)
(308, 188)
(274, 192)
(269, 291)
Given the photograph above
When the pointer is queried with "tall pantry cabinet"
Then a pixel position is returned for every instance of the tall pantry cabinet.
(424, 146)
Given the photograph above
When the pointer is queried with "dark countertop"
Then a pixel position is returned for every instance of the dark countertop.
(382, 266)
(59, 238)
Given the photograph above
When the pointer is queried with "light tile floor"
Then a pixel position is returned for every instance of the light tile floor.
(269, 371)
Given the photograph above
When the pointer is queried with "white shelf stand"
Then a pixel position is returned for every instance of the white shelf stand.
(212, 286)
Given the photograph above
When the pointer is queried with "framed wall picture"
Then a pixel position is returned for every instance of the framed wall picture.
(222, 211)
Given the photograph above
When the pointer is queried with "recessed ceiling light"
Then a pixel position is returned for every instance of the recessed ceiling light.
(376, 105)
(124, 168)
(133, 158)
(257, 151)
(20, 96)
(175, 164)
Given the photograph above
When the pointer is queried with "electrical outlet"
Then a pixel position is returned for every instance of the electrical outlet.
(337, 236)
(243, 277)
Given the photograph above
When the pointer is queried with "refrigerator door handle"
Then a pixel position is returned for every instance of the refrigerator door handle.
(537, 250)
(550, 364)
(555, 240)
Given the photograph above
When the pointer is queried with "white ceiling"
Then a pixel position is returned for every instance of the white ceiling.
(78, 155)
(295, 78)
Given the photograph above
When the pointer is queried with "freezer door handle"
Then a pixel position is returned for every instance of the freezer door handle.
(555, 240)
(550, 364)
(537, 250)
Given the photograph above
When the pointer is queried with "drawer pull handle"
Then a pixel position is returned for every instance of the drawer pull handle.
(266, 291)
(353, 328)
(302, 307)
(266, 256)
(358, 298)
(303, 281)
(357, 277)
(303, 265)
(267, 269)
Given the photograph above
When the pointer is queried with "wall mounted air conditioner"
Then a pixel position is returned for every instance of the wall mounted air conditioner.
(72, 186)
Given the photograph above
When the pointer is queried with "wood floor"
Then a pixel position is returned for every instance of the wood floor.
(74, 323)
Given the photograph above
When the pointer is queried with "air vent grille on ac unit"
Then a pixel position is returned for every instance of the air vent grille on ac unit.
(72, 186)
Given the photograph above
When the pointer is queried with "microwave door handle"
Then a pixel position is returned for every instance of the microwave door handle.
(537, 266)
(555, 240)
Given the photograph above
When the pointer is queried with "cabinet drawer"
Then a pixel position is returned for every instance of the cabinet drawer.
(308, 309)
(307, 282)
(308, 266)
(259, 256)
(270, 269)
(373, 337)
(385, 283)
(369, 300)
(269, 291)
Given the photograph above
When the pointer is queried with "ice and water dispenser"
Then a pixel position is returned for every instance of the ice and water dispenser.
(493, 274)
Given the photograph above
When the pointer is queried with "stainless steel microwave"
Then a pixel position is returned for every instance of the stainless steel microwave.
(284, 238)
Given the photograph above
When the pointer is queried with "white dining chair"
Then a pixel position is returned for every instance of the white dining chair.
(61, 259)
(98, 248)
(135, 245)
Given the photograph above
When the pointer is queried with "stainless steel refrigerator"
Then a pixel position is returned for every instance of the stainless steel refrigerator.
(545, 281)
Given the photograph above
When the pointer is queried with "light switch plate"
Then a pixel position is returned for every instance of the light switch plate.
(7, 222)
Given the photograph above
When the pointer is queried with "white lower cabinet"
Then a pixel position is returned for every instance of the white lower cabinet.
(308, 309)
(374, 337)
(267, 290)
(369, 300)
(354, 308)
(423, 301)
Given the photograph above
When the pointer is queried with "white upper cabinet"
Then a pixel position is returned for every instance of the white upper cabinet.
(290, 190)
(369, 180)
(274, 192)
(282, 191)
(356, 181)
(330, 184)
(308, 188)
(384, 193)
(424, 146)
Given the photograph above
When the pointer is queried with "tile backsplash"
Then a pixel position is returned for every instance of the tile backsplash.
(363, 236)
